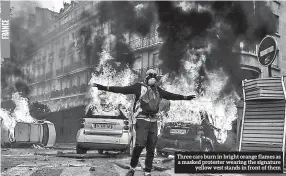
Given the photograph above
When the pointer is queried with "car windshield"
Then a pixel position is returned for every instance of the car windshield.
(90, 114)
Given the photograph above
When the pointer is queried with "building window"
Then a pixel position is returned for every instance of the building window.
(138, 64)
(51, 66)
(38, 90)
(53, 85)
(95, 5)
(61, 84)
(73, 36)
(62, 63)
(44, 69)
(70, 82)
(277, 23)
(38, 71)
(76, 14)
(78, 80)
(48, 86)
(156, 59)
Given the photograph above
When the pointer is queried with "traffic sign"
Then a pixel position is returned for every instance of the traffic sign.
(267, 51)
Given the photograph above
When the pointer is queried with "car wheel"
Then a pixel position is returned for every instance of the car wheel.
(80, 150)
(162, 154)
(207, 147)
(129, 150)
(100, 151)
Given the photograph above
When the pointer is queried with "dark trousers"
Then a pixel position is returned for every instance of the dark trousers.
(146, 136)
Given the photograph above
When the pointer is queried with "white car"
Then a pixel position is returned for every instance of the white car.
(105, 133)
(41, 132)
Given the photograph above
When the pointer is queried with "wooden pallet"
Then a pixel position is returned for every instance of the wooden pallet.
(263, 121)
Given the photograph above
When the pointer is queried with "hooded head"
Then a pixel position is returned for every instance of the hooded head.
(151, 77)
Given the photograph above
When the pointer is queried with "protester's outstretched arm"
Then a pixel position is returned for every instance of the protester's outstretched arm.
(132, 89)
(171, 96)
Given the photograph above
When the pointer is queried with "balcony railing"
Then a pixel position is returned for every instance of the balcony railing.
(60, 93)
(74, 66)
(42, 97)
(69, 91)
(145, 42)
(142, 71)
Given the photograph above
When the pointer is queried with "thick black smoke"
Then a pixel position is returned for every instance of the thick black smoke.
(124, 17)
(22, 42)
(177, 28)
(223, 24)
(90, 48)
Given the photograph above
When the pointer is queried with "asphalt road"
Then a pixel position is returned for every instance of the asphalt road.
(46, 162)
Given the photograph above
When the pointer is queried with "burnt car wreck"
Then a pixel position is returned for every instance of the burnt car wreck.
(186, 136)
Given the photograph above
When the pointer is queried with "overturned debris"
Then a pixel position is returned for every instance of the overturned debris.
(167, 160)
(38, 146)
(92, 169)
(158, 165)
(122, 165)
(45, 154)
(86, 156)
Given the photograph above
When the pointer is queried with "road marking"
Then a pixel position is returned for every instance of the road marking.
(76, 171)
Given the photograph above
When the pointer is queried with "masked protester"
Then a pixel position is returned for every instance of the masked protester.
(147, 99)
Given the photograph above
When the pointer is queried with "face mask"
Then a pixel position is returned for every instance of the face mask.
(151, 81)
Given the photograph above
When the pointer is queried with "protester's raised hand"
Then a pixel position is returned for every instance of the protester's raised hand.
(190, 97)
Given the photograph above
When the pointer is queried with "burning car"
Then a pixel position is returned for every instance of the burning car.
(105, 132)
(19, 128)
(186, 136)
(39, 132)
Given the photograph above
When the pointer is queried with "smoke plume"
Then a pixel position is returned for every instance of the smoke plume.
(123, 17)
(22, 42)
(219, 24)
(210, 28)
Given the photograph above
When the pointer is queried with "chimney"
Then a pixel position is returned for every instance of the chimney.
(66, 5)
(72, 3)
